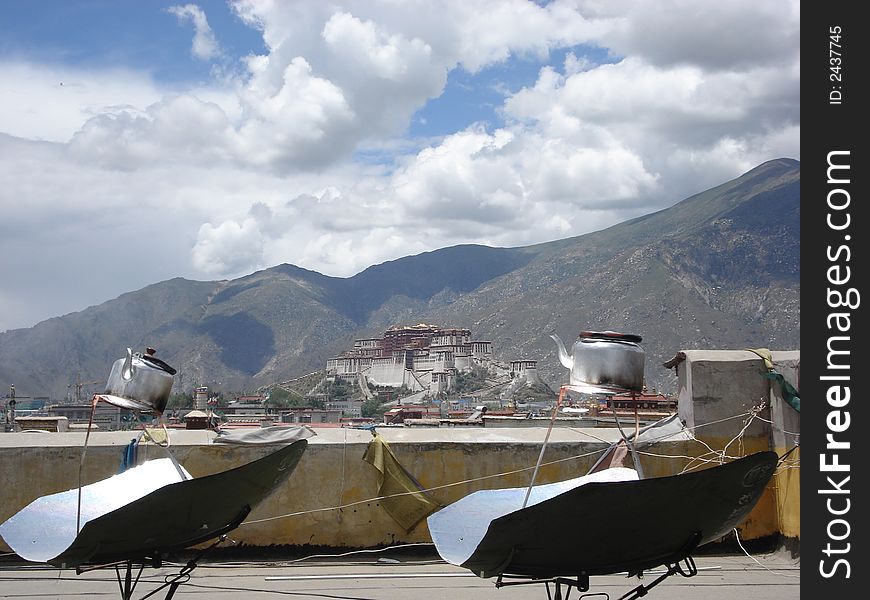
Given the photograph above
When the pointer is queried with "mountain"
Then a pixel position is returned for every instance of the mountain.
(720, 269)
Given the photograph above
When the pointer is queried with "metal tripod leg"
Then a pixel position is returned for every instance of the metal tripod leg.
(128, 584)
(689, 570)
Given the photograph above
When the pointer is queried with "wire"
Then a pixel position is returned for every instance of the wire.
(775, 426)
(720, 457)
(737, 537)
(305, 594)
(429, 489)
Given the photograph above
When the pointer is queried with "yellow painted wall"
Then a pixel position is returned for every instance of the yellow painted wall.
(329, 499)
(718, 391)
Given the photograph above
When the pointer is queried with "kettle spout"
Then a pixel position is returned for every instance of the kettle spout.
(566, 360)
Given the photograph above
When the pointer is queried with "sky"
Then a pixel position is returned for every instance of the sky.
(146, 140)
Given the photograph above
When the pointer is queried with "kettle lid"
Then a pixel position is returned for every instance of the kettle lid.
(611, 335)
(157, 363)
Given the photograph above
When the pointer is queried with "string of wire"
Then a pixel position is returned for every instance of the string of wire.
(695, 462)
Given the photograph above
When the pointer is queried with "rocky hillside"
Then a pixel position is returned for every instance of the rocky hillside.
(720, 269)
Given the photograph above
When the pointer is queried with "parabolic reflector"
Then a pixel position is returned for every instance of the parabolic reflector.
(143, 512)
(458, 529)
(598, 527)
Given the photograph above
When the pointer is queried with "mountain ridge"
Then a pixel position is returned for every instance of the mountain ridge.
(717, 269)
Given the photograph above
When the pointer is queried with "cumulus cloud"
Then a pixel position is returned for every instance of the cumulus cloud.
(175, 128)
(51, 102)
(663, 115)
(205, 46)
(293, 118)
(262, 169)
(229, 248)
(712, 36)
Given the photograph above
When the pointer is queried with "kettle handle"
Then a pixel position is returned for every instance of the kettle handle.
(127, 370)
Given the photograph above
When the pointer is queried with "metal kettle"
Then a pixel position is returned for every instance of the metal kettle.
(140, 381)
(604, 361)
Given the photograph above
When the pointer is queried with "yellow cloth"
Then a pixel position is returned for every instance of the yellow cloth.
(765, 355)
(413, 504)
(157, 435)
(789, 393)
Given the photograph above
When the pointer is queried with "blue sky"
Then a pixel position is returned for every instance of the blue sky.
(230, 136)
(147, 36)
(97, 34)
(477, 97)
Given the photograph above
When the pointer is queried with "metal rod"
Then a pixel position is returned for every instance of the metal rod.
(544, 446)
(634, 456)
(94, 401)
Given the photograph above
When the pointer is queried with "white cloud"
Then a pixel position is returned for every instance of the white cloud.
(293, 118)
(230, 248)
(663, 115)
(175, 128)
(205, 45)
(259, 170)
(734, 35)
(361, 44)
(51, 102)
(489, 32)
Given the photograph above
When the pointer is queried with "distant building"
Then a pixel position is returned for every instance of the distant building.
(525, 369)
(33, 423)
(105, 416)
(419, 357)
(310, 415)
(200, 398)
(350, 408)
(243, 409)
(197, 419)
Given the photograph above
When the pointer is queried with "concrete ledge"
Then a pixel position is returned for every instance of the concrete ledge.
(332, 495)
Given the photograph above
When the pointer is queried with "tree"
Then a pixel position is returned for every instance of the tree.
(338, 389)
(372, 408)
(470, 381)
(281, 398)
(177, 401)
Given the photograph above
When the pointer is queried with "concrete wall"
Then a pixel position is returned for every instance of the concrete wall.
(331, 496)
(331, 474)
(716, 391)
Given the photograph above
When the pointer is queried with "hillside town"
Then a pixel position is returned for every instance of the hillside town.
(412, 375)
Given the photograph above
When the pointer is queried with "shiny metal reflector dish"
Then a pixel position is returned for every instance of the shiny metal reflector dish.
(144, 512)
(599, 527)
(458, 529)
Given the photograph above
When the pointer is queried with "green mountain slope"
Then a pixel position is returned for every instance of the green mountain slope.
(720, 269)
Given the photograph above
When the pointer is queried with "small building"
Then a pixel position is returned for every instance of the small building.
(394, 416)
(310, 415)
(348, 407)
(525, 369)
(106, 416)
(244, 409)
(34, 423)
(441, 381)
(200, 398)
(197, 419)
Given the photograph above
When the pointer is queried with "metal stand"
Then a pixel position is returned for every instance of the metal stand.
(680, 563)
(127, 585)
(581, 582)
(685, 567)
